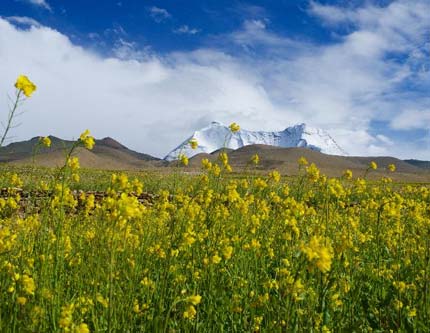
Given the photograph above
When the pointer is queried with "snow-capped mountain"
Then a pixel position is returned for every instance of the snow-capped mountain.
(217, 135)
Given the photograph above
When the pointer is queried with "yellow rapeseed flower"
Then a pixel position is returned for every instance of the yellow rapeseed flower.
(24, 84)
(302, 161)
(82, 328)
(190, 312)
(193, 143)
(392, 167)
(87, 139)
(373, 165)
(206, 164)
(319, 254)
(66, 316)
(347, 174)
(84, 134)
(16, 181)
(194, 300)
(227, 252)
(73, 163)
(234, 127)
(75, 177)
(28, 284)
(216, 170)
(103, 301)
(412, 313)
(324, 259)
(136, 307)
(216, 259)
(255, 159)
(398, 304)
(21, 300)
(275, 176)
(223, 157)
(46, 141)
(313, 172)
(184, 159)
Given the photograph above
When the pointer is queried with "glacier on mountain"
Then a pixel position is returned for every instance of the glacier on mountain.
(217, 135)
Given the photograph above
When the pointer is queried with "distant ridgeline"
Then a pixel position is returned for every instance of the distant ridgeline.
(419, 164)
(279, 150)
(217, 135)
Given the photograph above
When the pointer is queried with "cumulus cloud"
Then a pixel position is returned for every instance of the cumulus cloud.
(375, 72)
(159, 14)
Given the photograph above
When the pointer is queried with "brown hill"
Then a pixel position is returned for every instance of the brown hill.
(285, 161)
(87, 159)
(106, 154)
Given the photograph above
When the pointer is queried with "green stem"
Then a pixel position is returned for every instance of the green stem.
(10, 117)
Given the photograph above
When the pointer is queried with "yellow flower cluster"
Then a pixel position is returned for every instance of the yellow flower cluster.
(313, 172)
(348, 174)
(319, 253)
(190, 312)
(24, 84)
(46, 141)
(255, 159)
(234, 127)
(87, 139)
(391, 167)
(193, 143)
(73, 163)
(183, 159)
(302, 161)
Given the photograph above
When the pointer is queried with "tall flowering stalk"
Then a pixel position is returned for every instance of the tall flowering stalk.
(25, 89)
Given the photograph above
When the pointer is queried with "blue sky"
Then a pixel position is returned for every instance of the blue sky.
(149, 73)
(158, 23)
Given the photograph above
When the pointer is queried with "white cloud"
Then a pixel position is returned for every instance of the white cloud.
(159, 14)
(125, 50)
(23, 20)
(384, 139)
(330, 14)
(254, 32)
(412, 119)
(41, 3)
(152, 103)
(185, 29)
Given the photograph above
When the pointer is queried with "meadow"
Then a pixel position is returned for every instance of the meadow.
(213, 252)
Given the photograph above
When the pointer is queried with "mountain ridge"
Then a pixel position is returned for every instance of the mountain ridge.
(218, 135)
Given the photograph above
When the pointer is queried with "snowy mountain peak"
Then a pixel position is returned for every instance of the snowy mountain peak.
(218, 135)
